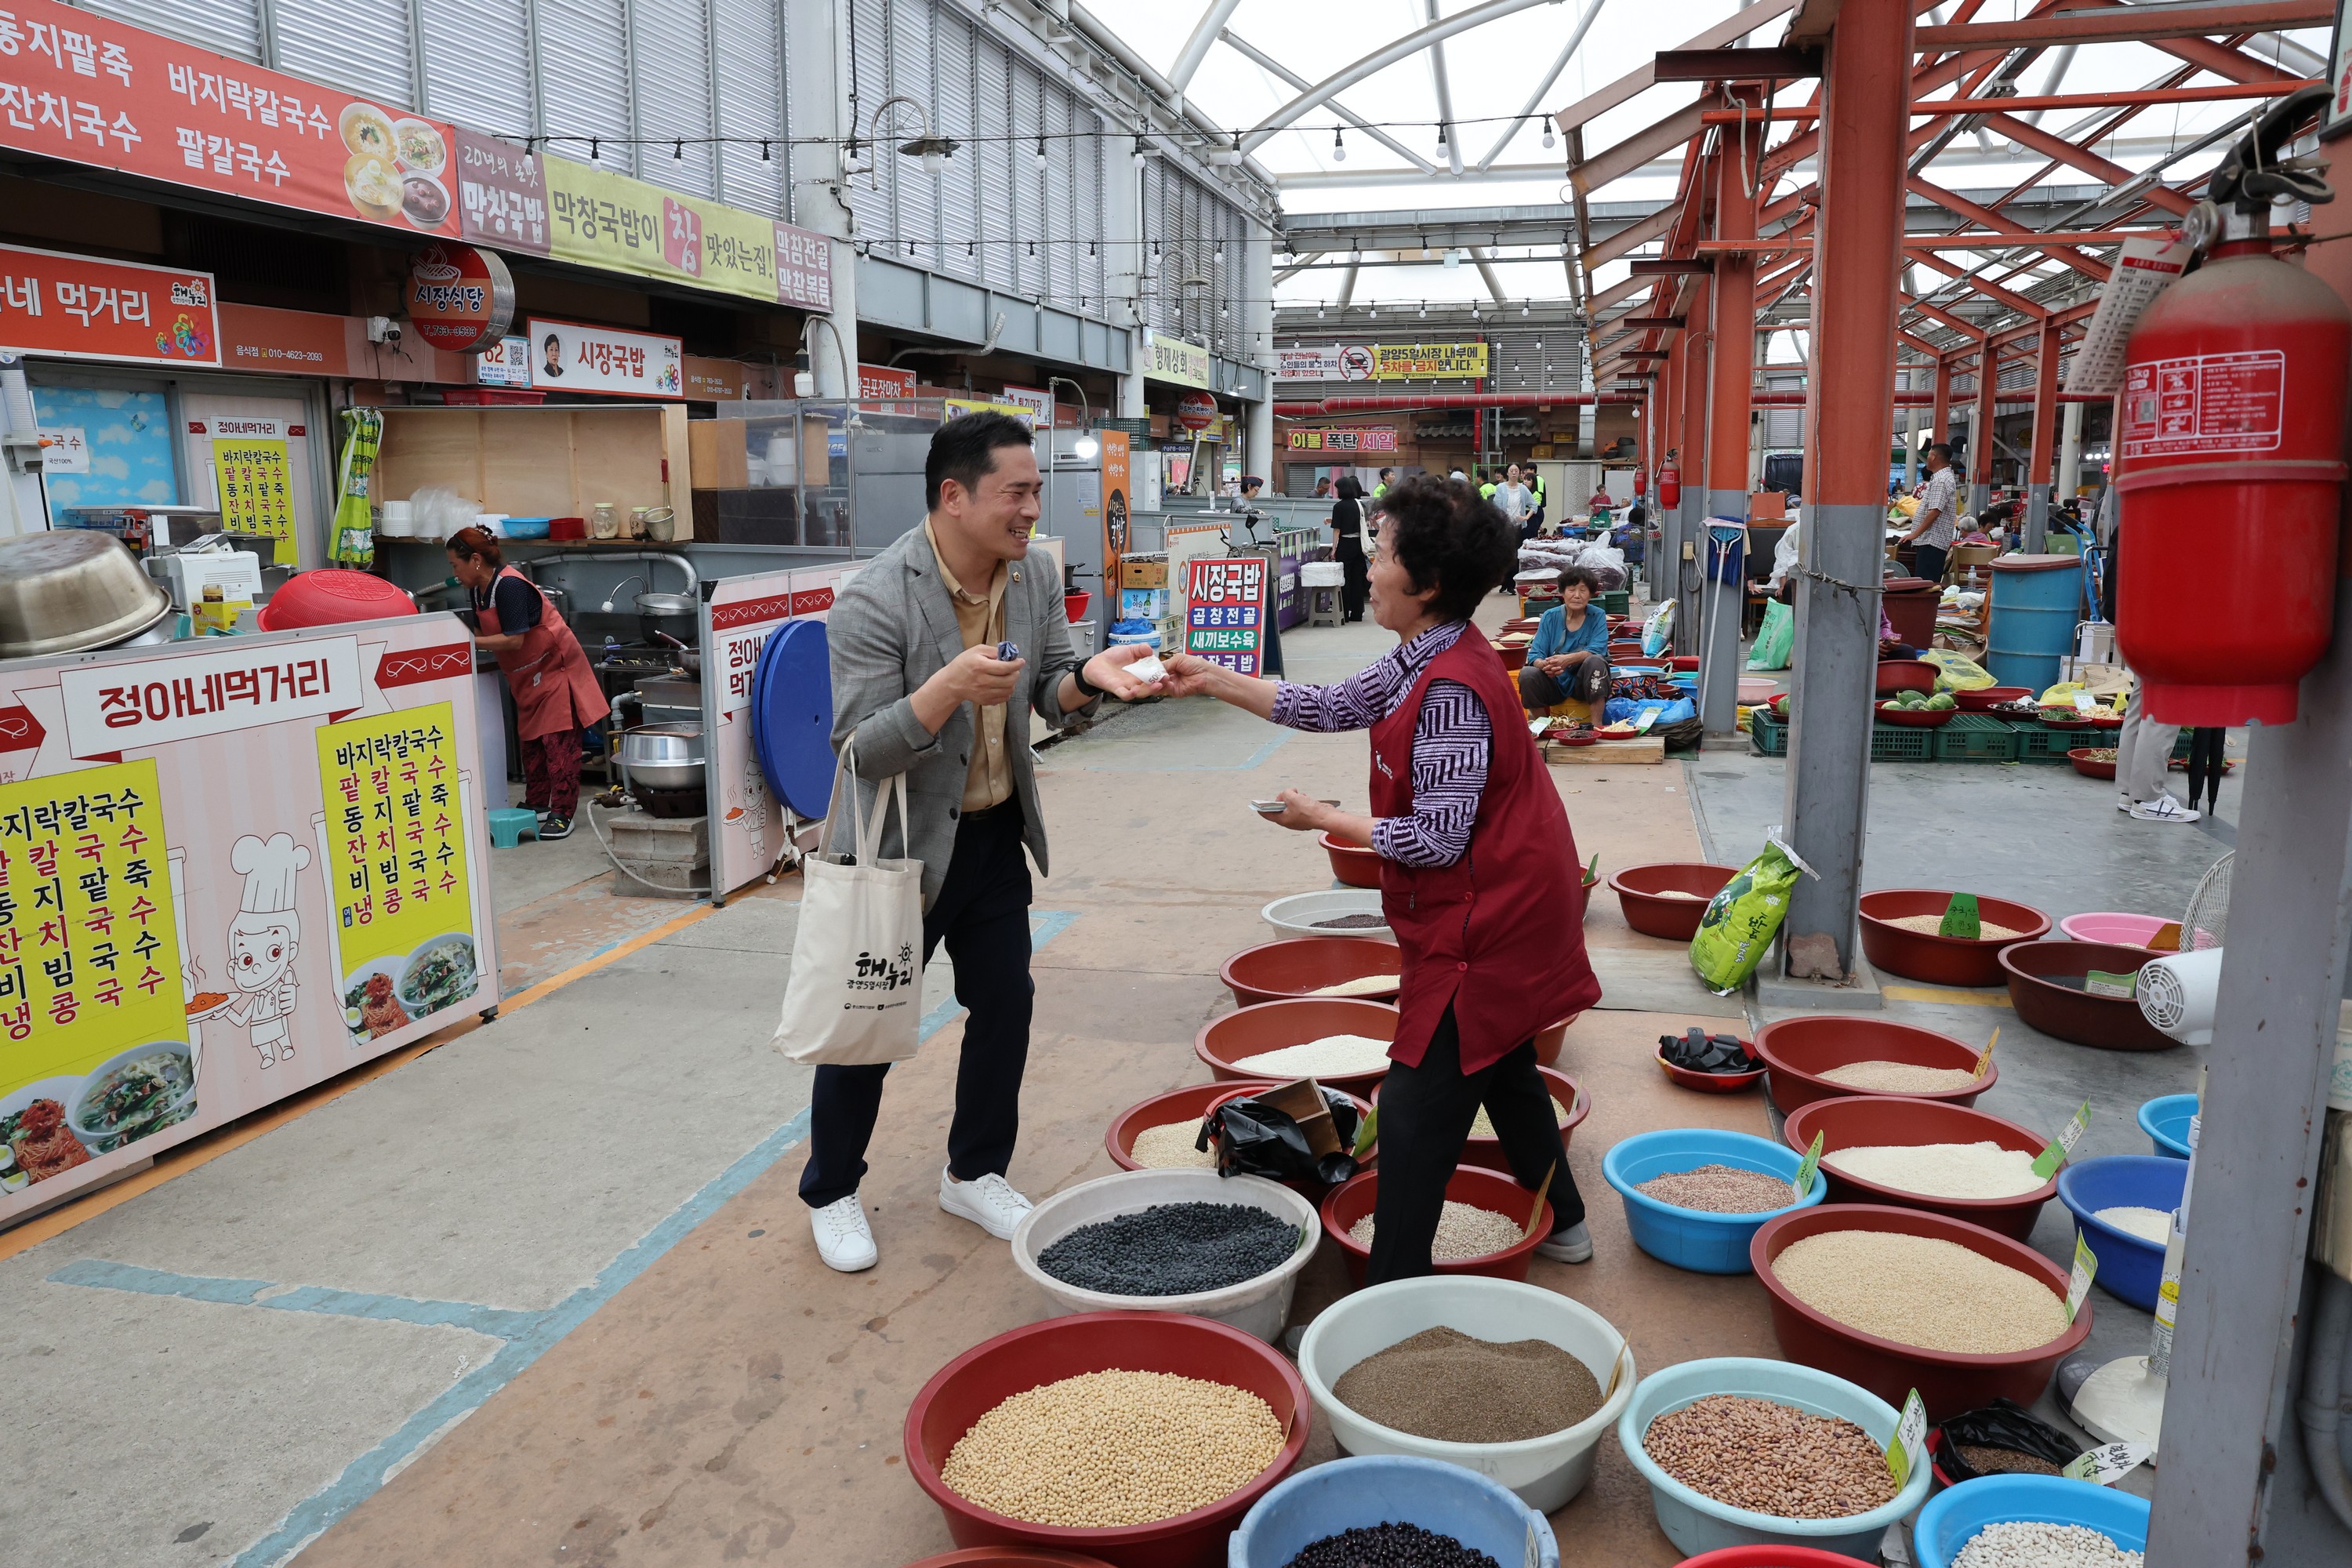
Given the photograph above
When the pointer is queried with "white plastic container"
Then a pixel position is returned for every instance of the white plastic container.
(398, 522)
(1544, 1472)
(1259, 1306)
(1296, 915)
(1322, 574)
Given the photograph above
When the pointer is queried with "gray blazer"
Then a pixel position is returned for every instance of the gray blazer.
(892, 628)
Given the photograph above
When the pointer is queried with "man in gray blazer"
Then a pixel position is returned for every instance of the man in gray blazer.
(918, 689)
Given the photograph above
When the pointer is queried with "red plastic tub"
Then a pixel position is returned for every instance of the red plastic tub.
(1941, 960)
(1010, 1557)
(2103, 1023)
(1074, 604)
(1352, 1199)
(1354, 864)
(1675, 920)
(1799, 1050)
(1711, 1082)
(1900, 675)
(1763, 1557)
(1189, 1104)
(984, 1376)
(1550, 1038)
(2090, 764)
(1983, 698)
(333, 595)
(1514, 655)
(1270, 1026)
(1949, 1381)
(1682, 662)
(1915, 717)
(1860, 1121)
(1279, 971)
(1486, 1153)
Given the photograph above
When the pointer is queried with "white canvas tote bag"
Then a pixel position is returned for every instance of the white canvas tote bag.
(855, 994)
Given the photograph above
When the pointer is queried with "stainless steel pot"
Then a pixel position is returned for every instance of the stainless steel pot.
(71, 589)
(672, 615)
(662, 756)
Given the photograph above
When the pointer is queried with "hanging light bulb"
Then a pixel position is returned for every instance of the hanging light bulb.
(594, 146)
(1547, 126)
(1338, 147)
(1526, 309)
(677, 152)
(1142, 152)
(1040, 152)
(763, 152)
(1424, 310)
(1441, 136)
(1318, 312)
(1221, 253)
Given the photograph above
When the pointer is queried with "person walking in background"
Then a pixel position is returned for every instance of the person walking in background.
(1537, 489)
(1569, 658)
(2207, 763)
(1932, 526)
(1515, 502)
(919, 689)
(1348, 528)
(1381, 488)
(1487, 484)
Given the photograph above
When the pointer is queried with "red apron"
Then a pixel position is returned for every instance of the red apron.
(553, 687)
(1500, 933)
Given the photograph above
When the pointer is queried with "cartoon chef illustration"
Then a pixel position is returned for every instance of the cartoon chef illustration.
(263, 940)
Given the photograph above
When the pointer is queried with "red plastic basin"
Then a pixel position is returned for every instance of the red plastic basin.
(1683, 662)
(1010, 1557)
(1191, 1103)
(2090, 766)
(1550, 1038)
(1799, 1050)
(1855, 1121)
(1276, 971)
(2105, 1023)
(1676, 919)
(984, 1376)
(1765, 1557)
(1982, 699)
(1900, 675)
(1513, 655)
(1354, 864)
(1352, 1199)
(1941, 960)
(333, 596)
(1949, 1381)
(1710, 1082)
(1270, 1026)
(1915, 717)
(1074, 604)
(1486, 1153)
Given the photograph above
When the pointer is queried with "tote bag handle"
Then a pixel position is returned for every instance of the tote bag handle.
(868, 847)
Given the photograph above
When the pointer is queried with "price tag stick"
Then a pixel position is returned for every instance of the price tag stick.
(2046, 1164)
(2078, 1284)
(1905, 1448)
(1810, 1165)
(1984, 1060)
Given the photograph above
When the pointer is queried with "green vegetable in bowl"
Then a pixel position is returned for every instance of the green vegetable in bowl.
(1943, 702)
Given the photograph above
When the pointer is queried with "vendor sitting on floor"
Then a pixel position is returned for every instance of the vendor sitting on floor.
(1889, 645)
(1569, 658)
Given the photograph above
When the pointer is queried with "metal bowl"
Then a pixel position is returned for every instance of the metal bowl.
(71, 589)
(674, 614)
(663, 756)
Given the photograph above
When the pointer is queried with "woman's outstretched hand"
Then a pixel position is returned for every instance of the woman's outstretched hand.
(1302, 813)
(1188, 674)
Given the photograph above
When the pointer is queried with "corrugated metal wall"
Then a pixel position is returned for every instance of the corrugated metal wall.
(1194, 235)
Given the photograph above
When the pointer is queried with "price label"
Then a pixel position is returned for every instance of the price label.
(1812, 1162)
(2109, 1463)
(1649, 717)
(2046, 1164)
(1984, 1058)
(1906, 1448)
(1533, 1558)
(2085, 704)
(2078, 1284)
(1366, 1131)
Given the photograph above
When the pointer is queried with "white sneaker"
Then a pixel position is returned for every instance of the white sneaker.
(2163, 808)
(2123, 803)
(843, 1240)
(1573, 1245)
(989, 1202)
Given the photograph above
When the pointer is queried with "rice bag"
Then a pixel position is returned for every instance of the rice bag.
(1741, 920)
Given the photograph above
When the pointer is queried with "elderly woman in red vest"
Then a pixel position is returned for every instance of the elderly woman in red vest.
(1478, 869)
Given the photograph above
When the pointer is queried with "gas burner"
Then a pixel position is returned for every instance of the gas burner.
(671, 803)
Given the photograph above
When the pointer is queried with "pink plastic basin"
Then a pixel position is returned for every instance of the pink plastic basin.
(2113, 926)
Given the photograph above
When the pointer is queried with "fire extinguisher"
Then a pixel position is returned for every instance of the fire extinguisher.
(1670, 483)
(2230, 453)
(1641, 483)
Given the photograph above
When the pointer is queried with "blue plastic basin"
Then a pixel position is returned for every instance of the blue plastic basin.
(1695, 1523)
(1382, 1489)
(2130, 1269)
(1694, 1239)
(1952, 1518)
(2165, 1119)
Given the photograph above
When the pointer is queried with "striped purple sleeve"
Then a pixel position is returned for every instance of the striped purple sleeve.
(1358, 702)
(1453, 742)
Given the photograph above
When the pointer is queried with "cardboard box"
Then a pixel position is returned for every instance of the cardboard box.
(1143, 572)
(715, 454)
(1142, 604)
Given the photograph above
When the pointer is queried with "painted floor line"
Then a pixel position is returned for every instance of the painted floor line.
(1943, 996)
(526, 1335)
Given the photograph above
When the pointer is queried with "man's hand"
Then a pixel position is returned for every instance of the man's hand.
(1107, 672)
(977, 676)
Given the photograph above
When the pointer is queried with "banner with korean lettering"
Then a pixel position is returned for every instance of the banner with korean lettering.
(575, 357)
(92, 90)
(1224, 611)
(170, 912)
(598, 218)
(88, 307)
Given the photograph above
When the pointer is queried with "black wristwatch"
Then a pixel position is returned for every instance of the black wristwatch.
(1087, 689)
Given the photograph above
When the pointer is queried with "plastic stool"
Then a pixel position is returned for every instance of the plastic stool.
(1322, 606)
(510, 822)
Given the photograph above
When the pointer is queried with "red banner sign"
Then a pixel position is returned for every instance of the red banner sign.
(90, 308)
(412, 667)
(461, 299)
(89, 91)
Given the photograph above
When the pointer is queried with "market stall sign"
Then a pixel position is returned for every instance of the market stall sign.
(580, 358)
(460, 299)
(81, 306)
(1037, 401)
(93, 91)
(881, 382)
(718, 379)
(1196, 411)
(253, 475)
(501, 193)
(1225, 611)
(1325, 362)
(1375, 438)
(1381, 362)
(505, 363)
(1174, 360)
(598, 218)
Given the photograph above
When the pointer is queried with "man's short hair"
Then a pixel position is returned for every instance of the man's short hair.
(1386, 472)
(964, 449)
(1941, 450)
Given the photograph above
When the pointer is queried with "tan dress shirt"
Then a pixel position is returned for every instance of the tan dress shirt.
(981, 618)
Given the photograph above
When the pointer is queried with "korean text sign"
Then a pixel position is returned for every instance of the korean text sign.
(571, 356)
(598, 218)
(1224, 611)
(91, 308)
(92, 90)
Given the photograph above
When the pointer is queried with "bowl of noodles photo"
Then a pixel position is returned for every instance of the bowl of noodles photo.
(441, 973)
(373, 182)
(417, 144)
(135, 1095)
(370, 998)
(35, 1142)
(367, 132)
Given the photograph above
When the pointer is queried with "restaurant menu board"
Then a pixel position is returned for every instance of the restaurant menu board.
(90, 90)
(1224, 611)
(747, 822)
(254, 479)
(177, 932)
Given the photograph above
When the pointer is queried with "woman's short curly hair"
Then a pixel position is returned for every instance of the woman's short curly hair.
(1583, 574)
(1446, 536)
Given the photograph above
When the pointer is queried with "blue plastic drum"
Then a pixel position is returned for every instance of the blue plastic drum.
(2037, 601)
(792, 717)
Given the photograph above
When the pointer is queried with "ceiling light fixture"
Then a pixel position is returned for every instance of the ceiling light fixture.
(1338, 147)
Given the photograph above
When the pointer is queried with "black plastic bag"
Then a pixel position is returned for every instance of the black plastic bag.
(2004, 1424)
(1696, 1051)
(1254, 1139)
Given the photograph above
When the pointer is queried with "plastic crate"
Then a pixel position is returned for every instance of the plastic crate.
(2180, 743)
(1769, 739)
(1975, 738)
(1901, 744)
(1616, 601)
(2037, 743)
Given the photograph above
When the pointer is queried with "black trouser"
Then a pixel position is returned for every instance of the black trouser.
(982, 914)
(1929, 562)
(1425, 1115)
(1586, 681)
(2206, 765)
(1357, 585)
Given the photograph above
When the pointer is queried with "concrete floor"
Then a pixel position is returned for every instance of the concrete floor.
(546, 1294)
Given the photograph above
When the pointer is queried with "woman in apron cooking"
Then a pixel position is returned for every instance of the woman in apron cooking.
(1479, 868)
(555, 693)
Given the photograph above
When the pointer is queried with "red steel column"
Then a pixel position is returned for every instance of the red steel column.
(1731, 374)
(1939, 425)
(2043, 463)
(1980, 442)
(1697, 351)
(1857, 250)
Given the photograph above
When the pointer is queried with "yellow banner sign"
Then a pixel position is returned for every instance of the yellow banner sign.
(257, 492)
(597, 218)
(1174, 360)
(398, 876)
(1428, 362)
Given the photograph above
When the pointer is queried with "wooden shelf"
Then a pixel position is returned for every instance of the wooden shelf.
(545, 461)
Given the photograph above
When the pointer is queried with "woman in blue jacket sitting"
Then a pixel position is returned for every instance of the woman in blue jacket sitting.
(1569, 658)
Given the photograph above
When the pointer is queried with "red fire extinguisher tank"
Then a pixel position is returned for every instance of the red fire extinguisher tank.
(1641, 483)
(1670, 485)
